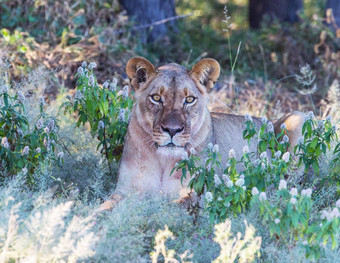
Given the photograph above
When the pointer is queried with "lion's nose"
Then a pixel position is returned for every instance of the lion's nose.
(173, 130)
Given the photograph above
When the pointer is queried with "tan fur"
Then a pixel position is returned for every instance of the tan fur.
(147, 158)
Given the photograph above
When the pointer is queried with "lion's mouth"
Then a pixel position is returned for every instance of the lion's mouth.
(169, 145)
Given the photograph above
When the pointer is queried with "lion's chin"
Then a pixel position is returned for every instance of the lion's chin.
(171, 151)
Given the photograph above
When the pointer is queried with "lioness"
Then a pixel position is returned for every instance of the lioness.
(170, 119)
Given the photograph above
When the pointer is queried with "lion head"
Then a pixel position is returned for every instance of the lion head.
(171, 102)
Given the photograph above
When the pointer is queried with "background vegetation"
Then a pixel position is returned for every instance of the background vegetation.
(47, 212)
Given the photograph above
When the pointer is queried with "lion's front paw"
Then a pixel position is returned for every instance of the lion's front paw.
(109, 204)
(185, 201)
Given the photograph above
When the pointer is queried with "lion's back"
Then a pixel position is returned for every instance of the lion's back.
(228, 134)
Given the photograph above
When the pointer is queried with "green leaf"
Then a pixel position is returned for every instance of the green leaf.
(314, 142)
(316, 167)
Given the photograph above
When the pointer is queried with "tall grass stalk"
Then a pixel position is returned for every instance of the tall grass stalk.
(232, 63)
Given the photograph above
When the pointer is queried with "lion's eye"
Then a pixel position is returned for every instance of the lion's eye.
(156, 98)
(190, 100)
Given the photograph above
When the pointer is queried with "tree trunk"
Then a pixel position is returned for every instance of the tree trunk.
(335, 6)
(283, 10)
(145, 12)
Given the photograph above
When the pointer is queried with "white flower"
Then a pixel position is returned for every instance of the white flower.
(225, 178)
(283, 126)
(324, 214)
(247, 117)
(92, 65)
(24, 170)
(26, 150)
(263, 155)
(80, 71)
(306, 192)
(101, 125)
(121, 116)
(330, 215)
(61, 155)
(277, 155)
(210, 145)
(329, 118)
(232, 153)
(309, 116)
(335, 213)
(277, 220)
(21, 96)
(114, 82)
(192, 151)
(305, 243)
(184, 156)
(321, 125)
(285, 139)
(215, 149)
(293, 200)
(270, 127)
(47, 130)
(263, 196)
(219, 199)
(245, 149)
(91, 81)
(208, 196)
(230, 184)
(38, 150)
(254, 191)
(106, 84)
(293, 191)
(51, 125)
(113, 87)
(125, 92)
(239, 182)
(338, 203)
(264, 120)
(84, 64)
(4, 142)
(244, 188)
(217, 180)
(282, 185)
(286, 156)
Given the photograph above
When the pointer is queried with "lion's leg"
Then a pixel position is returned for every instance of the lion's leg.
(111, 203)
(294, 122)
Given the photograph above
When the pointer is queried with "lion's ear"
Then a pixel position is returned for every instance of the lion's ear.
(206, 72)
(139, 70)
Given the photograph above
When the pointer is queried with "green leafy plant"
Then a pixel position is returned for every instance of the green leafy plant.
(24, 148)
(104, 108)
(316, 139)
(228, 191)
(288, 215)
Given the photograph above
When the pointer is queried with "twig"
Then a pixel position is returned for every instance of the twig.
(159, 22)
(65, 147)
